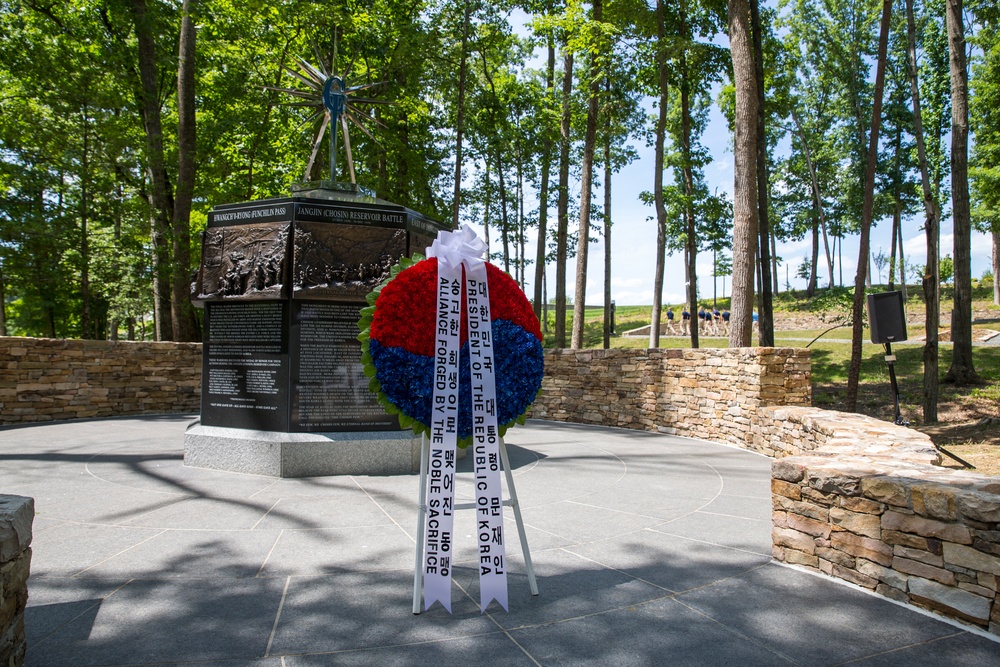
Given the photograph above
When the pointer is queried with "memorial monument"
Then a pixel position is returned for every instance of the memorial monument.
(282, 281)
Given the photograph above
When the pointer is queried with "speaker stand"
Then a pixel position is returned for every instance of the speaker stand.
(890, 360)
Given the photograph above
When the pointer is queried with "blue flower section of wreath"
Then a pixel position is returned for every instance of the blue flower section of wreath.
(406, 378)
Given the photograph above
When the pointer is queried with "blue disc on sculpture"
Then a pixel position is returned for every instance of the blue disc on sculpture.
(333, 96)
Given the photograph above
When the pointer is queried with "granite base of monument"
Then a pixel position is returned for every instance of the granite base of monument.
(277, 454)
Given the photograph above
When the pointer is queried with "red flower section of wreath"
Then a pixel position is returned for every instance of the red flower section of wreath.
(407, 308)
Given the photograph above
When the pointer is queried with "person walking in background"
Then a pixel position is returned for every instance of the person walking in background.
(725, 321)
(716, 321)
(685, 322)
(706, 320)
(670, 321)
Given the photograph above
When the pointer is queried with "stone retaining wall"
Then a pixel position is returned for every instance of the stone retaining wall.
(707, 393)
(863, 501)
(16, 516)
(43, 379)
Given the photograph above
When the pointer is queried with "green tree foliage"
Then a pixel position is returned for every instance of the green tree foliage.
(79, 204)
(946, 269)
(935, 93)
(809, 177)
(75, 181)
(69, 173)
(985, 119)
(688, 64)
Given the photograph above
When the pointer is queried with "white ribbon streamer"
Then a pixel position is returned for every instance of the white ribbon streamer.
(439, 519)
(455, 250)
(486, 443)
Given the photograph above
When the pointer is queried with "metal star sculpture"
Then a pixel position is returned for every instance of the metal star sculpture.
(336, 102)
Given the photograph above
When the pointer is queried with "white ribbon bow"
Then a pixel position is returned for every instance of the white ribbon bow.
(458, 247)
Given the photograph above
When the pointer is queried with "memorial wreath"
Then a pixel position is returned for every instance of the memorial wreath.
(452, 346)
(398, 339)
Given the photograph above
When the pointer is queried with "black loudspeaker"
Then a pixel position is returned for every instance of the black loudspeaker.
(886, 319)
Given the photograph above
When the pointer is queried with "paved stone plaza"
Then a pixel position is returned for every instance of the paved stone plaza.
(649, 550)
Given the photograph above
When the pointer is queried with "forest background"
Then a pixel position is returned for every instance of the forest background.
(122, 122)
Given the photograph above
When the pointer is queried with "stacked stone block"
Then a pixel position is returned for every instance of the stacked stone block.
(787, 430)
(908, 531)
(46, 379)
(16, 516)
(867, 504)
(705, 393)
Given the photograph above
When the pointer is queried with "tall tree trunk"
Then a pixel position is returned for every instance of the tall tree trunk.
(744, 175)
(691, 288)
(759, 289)
(50, 321)
(521, 261)
(817, 199)
(896, 221)
(766, 314)
(607, 224)
(545, 303)
(382, 165)
(86, 325)
(460, 119)
(897, 198)
(543, 191)
(902, 264)
(3, 302)
(402, 165)
(184, 320)
(38, 260)
(504, 220)
(996, 267)
(661, 210)
(159, 195)
(487, 206)
(687, 171)
(814, 258)
(562, 230)
(962, 370)
(586, 191)
(691, 276)
(867, 209)
(774, 261)
(828, 251)
(838, 241)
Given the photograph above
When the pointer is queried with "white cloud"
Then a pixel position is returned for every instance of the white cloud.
(803, 245)
(619, 282)
(634, 297)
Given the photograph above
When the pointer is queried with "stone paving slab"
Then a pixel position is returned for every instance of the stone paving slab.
(623, 637)
(648, 549)
(779, 608)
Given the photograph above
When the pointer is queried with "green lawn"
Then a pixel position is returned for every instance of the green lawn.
(831, 356)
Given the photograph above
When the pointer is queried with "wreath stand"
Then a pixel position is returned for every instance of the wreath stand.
(418, 571)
